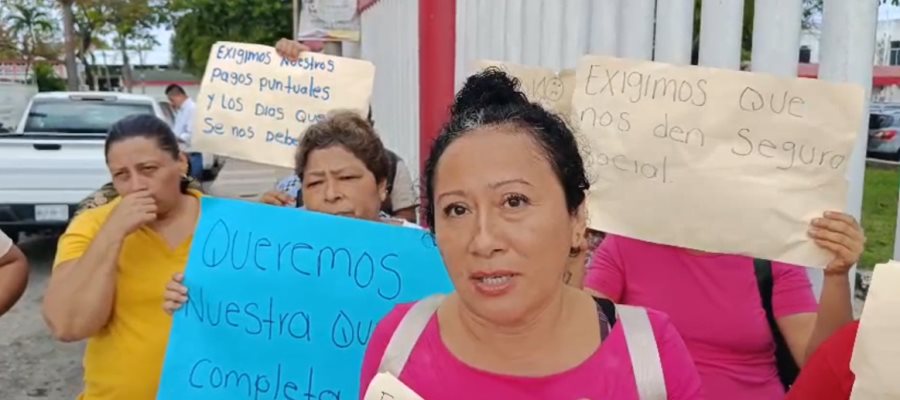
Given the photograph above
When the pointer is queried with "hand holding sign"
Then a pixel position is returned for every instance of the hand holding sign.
(715, 160)
(840, 234)
(175, 295)
(254, 105)
(386, 387)
(290, 49)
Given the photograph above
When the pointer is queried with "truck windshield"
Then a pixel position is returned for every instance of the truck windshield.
(71, 116)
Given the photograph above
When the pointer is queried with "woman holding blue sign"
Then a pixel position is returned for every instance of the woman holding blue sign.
(506, 223)
(344, 168)
(113, 259)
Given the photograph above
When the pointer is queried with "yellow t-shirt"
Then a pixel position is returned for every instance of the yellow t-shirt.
(124, 360)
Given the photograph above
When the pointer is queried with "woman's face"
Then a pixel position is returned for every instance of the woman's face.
(336, 182)
(502, 224)
(138, 163)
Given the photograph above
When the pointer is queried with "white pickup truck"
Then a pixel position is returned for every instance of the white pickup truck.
(55, 158)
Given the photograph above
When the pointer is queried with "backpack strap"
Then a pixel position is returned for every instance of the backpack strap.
(788, 370)
(606, 311)
(645, 361)
(407, 334)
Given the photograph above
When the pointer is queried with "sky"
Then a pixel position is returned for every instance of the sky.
(161, 55)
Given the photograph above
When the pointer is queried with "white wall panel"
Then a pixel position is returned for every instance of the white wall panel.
(549, 33)
(390, 32)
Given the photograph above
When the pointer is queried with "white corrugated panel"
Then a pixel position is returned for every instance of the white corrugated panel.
(390, 39)
(548, 33)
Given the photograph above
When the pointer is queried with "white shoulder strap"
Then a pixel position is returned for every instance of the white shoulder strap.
(641, 342)
(407, 334)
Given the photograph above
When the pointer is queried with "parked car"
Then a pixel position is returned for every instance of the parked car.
(55, 158)
(884, 141)
(884, 108)
(168, 112)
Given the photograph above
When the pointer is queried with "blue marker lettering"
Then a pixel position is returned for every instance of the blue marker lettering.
(272, 112)
(213, 127)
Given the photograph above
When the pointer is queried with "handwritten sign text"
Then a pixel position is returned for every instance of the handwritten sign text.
(282, 302)
(716, 160)
(254, 105)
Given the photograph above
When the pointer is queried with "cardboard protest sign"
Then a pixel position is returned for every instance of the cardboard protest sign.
(254, 105)
(877, 350)
(387, 387)
(541, 85)
(282, 302)
(715, 160)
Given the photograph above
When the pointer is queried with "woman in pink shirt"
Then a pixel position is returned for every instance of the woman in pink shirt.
(714, 301)
(505, 188)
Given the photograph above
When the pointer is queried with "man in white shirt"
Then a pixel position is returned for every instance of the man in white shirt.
(13, 273)
(184, 115)
(184, 121)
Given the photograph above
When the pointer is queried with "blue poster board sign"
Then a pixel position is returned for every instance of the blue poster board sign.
(282, 301)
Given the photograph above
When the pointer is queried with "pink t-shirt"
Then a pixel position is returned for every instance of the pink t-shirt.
(713, 301)
(436, 374)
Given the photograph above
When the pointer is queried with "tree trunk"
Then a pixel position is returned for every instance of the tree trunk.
(126, 66)
(30, 60)
(96, 73)
(69, 31)
(88, 73)
(90, 78)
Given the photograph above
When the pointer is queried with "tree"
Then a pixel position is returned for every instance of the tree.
(29, 22)
(91, 23)
(46, 78)
(133, 20)
(201, 23)
(69, 40)
(8, 48)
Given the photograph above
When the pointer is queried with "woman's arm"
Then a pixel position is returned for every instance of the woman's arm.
(841, 235)
(79, 298)
(804, 332)
(13, 277)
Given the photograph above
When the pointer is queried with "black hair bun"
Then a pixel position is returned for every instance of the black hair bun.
(490, 87)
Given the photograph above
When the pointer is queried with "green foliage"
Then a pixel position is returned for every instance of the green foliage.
(879, 214)
(29, 23)
(8, 48)
(201, 23)
(47, 80)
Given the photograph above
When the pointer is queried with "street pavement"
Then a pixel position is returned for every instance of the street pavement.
(32, 364)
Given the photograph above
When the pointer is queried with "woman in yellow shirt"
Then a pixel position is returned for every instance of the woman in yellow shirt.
(113, 259)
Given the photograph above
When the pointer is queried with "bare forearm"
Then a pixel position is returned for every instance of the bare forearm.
(835, 310)
(13, 279)
(80, 296)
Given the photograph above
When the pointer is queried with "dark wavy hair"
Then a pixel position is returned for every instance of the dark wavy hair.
(351, 131)
(149, 127)
(492, 98)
